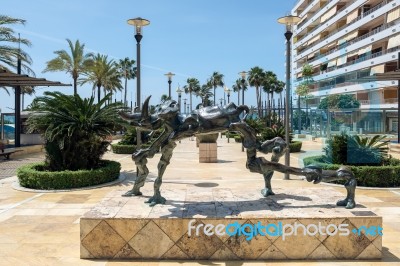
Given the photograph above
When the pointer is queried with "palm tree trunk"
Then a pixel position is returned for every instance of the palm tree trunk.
(75, 86)
(258, 102)
(214, 95)
(126, 91)
(98, 93)
(190, 93)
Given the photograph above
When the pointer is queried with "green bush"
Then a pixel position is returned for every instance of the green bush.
(238, 139)
(129, 138)
(368, 176)
(123, 149)
(37, 176)
(295, 146)
(232, 135)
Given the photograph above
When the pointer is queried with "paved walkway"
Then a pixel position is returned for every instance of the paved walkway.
(43, 228)
(9, 168)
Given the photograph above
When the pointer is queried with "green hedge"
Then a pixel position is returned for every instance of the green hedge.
(295, 146)
(37, 177)
(123, 149)
(367, 176)
(238, 139)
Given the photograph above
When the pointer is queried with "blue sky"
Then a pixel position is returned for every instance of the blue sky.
(187, 37)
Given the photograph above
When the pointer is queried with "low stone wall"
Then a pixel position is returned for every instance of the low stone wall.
(233, 226)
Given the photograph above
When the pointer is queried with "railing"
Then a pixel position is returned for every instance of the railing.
(357, 39)
(359, 60)
(365, 102)
(380, 5)
(390, 100)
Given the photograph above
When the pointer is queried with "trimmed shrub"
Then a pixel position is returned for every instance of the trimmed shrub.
(231, 135)
(123, 149)
(295, 146)
(37, 176)
(368, 176)
(238, 139)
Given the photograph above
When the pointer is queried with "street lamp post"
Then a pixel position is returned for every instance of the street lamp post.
(169, 75)
(138, 23)
(179, 91)
(289, 21)
(184, 104)
(228, 92)
(221, 100)
(243, 75)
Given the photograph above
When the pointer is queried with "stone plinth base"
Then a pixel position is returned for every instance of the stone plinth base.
(234, 225)
(207, 152)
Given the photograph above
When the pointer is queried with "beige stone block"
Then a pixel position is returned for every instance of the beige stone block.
(174, 228)
(175, 253)
(103, 241)
(370, 252)
(320, 253)
(272, 253)
(224, 253)
(151, 242)
(127, 252)
(127, 228)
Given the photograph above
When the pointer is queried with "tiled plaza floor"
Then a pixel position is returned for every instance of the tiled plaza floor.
(43, 228)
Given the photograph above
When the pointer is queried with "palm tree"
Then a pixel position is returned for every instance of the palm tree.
(193, 86)
(75, 63)
(256, 79)
(10, 49)
(216, 80)
(102, 73)
(205, 93)
(74, 129)
(239, 85)
(128, 71)
(165, 98)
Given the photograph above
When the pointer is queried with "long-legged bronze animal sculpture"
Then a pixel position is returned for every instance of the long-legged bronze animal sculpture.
(214, 120)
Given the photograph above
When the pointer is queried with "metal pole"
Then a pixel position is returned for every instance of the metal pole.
(179, 102)
(288, 36)
(243, 81)
(299, 114)
(138, 38)
(398, 101)
(169, 88)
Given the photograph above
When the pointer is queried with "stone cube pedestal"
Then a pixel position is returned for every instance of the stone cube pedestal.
(208, 152)
(127, 228)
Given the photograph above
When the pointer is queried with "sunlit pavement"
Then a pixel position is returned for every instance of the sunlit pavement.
(43, 228)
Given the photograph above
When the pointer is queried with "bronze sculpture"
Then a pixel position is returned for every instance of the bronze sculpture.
(217, 119)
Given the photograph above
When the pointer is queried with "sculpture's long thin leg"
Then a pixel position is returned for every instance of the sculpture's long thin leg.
(143, 171)
(166, 152)
(140, 159)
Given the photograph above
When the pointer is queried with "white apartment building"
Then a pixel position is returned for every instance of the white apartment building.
(344, 41)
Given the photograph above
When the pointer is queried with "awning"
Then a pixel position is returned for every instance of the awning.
(353, 15)
(364, 50)
(393, 15)
(342, 60)
(313, 39)
(394, 41)
(353, 53)
(331, 12)
(9, 79)
(331, 63)
(311, 55)
(352, 35)
(377, 69)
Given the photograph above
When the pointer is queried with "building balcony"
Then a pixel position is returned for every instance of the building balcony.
(376, 35)
(358, 64)
(358, 22)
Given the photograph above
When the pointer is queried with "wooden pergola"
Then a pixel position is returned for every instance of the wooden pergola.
(9, 79)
